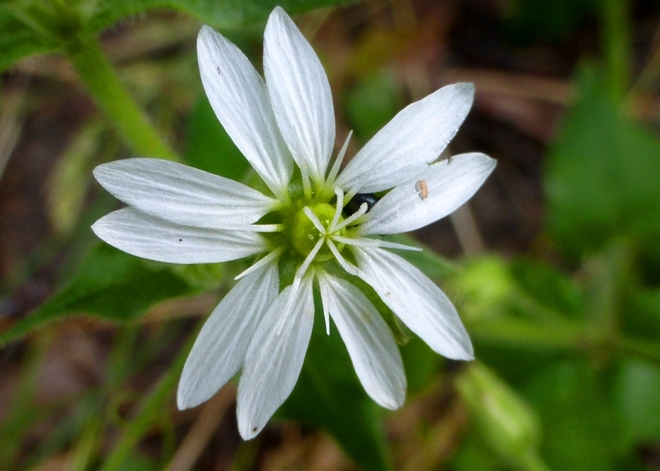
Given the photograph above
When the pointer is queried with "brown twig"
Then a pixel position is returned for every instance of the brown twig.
(201, 431)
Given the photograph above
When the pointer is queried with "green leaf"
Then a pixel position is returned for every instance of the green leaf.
(641, 315)
(18, 41)
(209, 147)
(602, 176)
(221, 14)
(110, 284)
(581, 430)
(329, 395)
(637, 396)
(548, 287)
(473, 454)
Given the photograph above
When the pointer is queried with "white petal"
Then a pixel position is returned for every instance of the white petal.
(300, 93)
(239, 98)
(220, 347)
(414, 138)
(368, 339)
(182, 194)
(416, 300)
(152, 238)
(273, 361)
(447, 185)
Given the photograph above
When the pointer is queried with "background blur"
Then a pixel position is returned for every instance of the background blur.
(554, 265)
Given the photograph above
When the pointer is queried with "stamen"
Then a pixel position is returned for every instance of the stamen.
(309, 259)
(366, 242)
(340, 207)
(267, 227)
(315, 220)
(260, 263)
(356, 215)
(337, 164)
(350, 268)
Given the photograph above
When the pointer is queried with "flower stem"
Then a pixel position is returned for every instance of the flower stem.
(523, 333)
(563, 337)
(609, 274)
(639, 348)
(615, 39)
(101, 80)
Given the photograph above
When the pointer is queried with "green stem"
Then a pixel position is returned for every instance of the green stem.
(615, 38)
(640, 348)
(103, 83)
(565, 336)
(87, 446)
(609, 274)
(528, 334)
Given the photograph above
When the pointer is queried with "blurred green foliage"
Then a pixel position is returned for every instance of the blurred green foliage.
(371, 103)
(602, 177)
(40, 26)
(509, 426)
(568, 376)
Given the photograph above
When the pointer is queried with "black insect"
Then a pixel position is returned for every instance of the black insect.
(354, 204)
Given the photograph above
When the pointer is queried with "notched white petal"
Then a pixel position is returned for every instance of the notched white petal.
(152, 238)
(220, 348)
(446, 186)
(416, 300)
(300, 94)
(368, 339)
(240, 100)
(414, 138)
(274, 360)
(183, 194)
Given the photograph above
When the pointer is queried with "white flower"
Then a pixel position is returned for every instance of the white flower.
(285, 128)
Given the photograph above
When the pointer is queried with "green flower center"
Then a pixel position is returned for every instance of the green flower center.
(305, 235)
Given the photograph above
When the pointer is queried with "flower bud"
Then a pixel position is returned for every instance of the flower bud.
(507, 423)
(486, 284)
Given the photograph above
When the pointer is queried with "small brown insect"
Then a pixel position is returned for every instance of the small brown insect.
(422, 189)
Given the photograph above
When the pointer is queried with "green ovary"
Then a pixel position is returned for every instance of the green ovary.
(304, 235)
